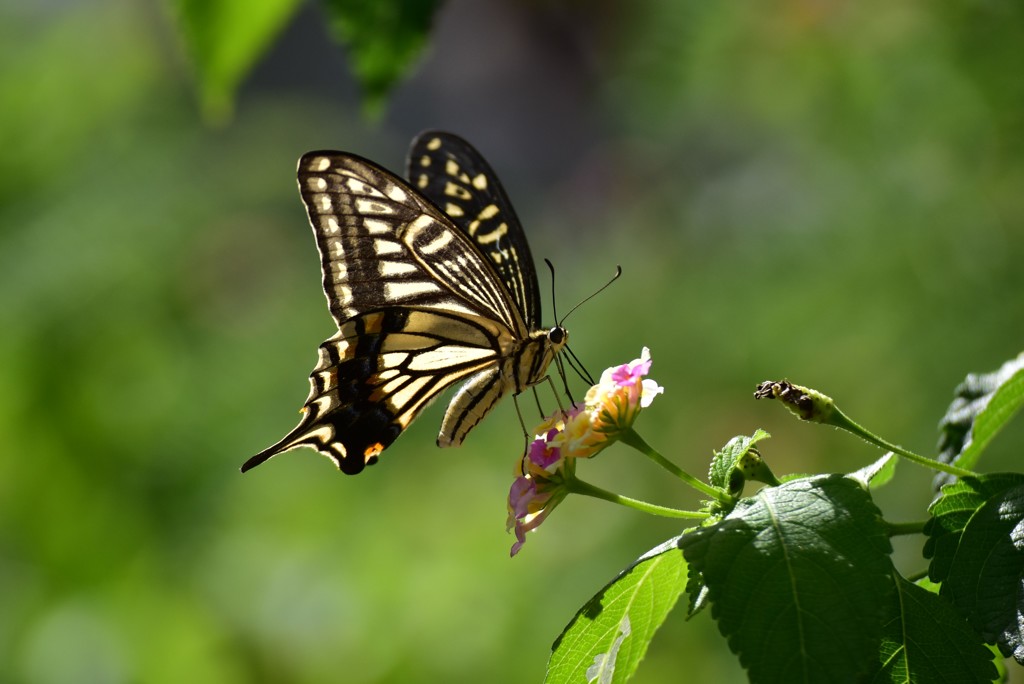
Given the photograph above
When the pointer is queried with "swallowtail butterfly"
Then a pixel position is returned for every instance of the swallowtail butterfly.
(431, 282)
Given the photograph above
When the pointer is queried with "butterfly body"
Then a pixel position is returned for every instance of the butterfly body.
(423, 299)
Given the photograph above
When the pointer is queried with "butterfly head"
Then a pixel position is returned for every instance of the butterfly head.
(558, 337)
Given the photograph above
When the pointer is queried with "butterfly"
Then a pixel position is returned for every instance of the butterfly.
(431, 282)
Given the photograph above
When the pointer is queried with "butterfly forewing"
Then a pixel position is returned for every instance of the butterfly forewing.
(421, 303)
(381, 245)
(456, 178)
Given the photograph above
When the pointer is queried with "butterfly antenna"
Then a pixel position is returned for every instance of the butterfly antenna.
(554, 299)
(618, 272)
(572, 360)
(554, 310)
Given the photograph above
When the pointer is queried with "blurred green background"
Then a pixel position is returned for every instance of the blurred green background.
(826, 191)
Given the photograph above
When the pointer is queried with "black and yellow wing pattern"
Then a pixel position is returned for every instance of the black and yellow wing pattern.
(428, 288)
(453, 175)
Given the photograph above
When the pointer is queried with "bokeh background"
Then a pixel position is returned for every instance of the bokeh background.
(824, 191)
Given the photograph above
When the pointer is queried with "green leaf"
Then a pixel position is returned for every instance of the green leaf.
(608, 637)
(999, 663)
(982, 406)
(384, 38)
(224, 39)
(698, 593)
(878, 473)
(976, 543)
(731, 467)
(926, 640)
(798, 579)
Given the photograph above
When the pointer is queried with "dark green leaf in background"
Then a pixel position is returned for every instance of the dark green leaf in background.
(383, 38)
(926, 641)
(608, 637)
(224, 39)
(976, 543)
(798, 578)
(982, 406)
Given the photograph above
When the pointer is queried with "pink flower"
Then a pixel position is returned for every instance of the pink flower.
(528, 507)
(543, 452)
(626, 374)
(540, 487)
(609, 409)
(615, 401)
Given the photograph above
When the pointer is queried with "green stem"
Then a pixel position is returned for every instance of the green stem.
(578, 486)
(634, 440)
(840, 420)
(897, 529)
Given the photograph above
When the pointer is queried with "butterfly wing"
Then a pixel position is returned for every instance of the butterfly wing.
(383, 245)
(376, 375)
(418, 308)
(455, 177)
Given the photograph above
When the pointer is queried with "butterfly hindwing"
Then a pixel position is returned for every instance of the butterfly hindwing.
(456, 178)
(377, 373)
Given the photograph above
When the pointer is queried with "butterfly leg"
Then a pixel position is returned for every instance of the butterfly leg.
(555, 392)
(522, 423)
(536, 398)
(565, 380)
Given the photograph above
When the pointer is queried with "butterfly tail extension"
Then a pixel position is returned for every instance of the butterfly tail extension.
(352, 440)
(340, 419)
(291, 441)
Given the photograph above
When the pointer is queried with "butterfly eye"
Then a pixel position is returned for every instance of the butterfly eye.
(558, 335)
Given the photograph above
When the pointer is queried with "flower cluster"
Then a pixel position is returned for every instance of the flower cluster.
(616, 400)
(607, 412)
